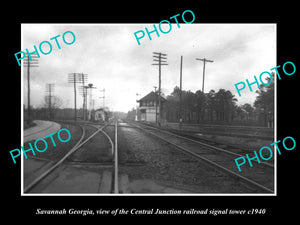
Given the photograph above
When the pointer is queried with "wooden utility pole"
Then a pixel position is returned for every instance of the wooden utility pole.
(28, 93)
(49, 90)
(91, 87)
(155, 104)
(77, 78)
(74, 78)
(75, 98)
(204, 60)
(103, 97)
(136, 109)
(29, 63)
(84, 92)
(83, 79)
(160, 58)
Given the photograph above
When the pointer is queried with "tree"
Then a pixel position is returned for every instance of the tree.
(239, 112)
(211, 104)
(224, 105)
(131, 114)
(52, 105)
(264, 102)
(200, 105)
(172, 105)
(189, 103)
(248, 110)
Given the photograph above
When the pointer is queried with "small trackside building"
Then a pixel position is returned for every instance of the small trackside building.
(149, 109)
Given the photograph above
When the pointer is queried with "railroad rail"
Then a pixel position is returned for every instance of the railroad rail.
(225, 130)
(207, 145)
(215, 160)
(82, 141)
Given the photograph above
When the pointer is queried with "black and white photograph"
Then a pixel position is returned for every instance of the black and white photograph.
(150, 111)
(108, 110)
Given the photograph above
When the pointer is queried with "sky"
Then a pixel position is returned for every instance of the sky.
(112, 59)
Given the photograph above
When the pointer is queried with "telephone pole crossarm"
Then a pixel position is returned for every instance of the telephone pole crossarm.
(204, 60)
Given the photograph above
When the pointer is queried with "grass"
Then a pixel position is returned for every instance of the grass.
(26, 126)
(61, 148)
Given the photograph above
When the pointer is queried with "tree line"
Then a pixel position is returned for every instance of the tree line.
(218, 107)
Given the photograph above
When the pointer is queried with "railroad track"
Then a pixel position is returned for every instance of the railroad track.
(78, 157)
(218, 146)
(83, 156)
(259, 177)
(225, 130)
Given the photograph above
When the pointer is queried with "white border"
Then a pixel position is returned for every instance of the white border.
(150, 194)
(22, 116)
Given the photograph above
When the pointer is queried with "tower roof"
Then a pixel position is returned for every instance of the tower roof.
(152, 96)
